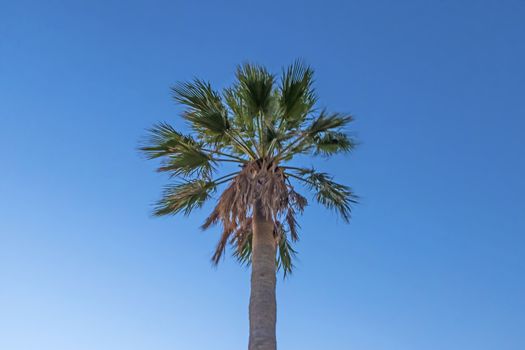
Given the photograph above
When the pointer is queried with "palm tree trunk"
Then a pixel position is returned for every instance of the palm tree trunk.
(263, 281)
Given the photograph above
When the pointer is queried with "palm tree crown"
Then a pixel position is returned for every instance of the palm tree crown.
(261, 123)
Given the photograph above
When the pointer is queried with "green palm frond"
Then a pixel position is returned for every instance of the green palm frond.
(189, 162)
(323, 136)
(255, 87)
(184, 197)
(274, 139)
(197, 95)
(332, 142)
(242, 118)
(327, 122)
(332, 195)
(206, 113)
(163, 138)
(297, 97)
(182, 155)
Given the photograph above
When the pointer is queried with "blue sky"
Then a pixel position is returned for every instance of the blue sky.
(433, 259)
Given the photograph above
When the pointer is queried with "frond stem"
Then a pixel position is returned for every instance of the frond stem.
(227, 160)
(282, 154)
(242, 145)
(259, 124)
(225, 155)
(300, 178)
(218, 180)
(292, 167)
(225, 180)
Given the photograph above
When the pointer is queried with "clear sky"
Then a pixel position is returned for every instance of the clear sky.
(433, 259)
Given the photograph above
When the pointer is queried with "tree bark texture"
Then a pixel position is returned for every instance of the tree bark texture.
(263, 282)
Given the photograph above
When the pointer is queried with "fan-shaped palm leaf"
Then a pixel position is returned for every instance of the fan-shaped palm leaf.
(184, 197)
(327, 192)
(297, 97)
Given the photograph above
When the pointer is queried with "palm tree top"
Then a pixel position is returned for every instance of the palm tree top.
(260, 123)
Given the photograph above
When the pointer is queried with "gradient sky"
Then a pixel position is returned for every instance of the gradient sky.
(433, 259)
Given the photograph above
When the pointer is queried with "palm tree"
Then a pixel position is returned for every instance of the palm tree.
(253, 128)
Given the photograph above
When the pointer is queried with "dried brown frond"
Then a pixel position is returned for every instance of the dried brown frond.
(262, 182)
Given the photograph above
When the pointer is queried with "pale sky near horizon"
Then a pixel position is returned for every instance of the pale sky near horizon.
(434, 258)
